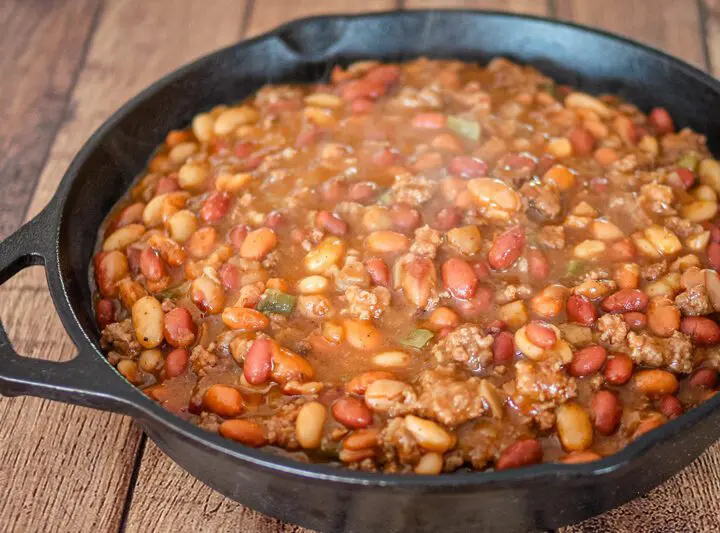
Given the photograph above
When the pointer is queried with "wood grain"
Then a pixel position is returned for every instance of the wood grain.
(65, 468)
(42, 52)
(535, 7)
(711, 17)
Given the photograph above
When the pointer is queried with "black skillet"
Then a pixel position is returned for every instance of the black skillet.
(315, 496)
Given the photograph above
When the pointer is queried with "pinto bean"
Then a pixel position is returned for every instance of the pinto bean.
(208, 295)
(506, 248)
(447, 218)
(352, 413)
(540, 334)
(405, 218)
(202, 243)
(704, 377)
(459, 278)
(179, 329)
(587, 361)
(523, 452)
(467, 167)
(701, 330)
(618, 369)
(238, 234)
(223, 400)
(387, 242)
(258, 243)
(148, 320)
(656, 382)
(176, 362)
(362, 335)
(713, 255)
(258, 362)
(575, 458)
(215, 207)
(635, 320)
(581, 310)
(151, 265)
(661, 120)
(244, 319)
(331, 223)
(104, 313)
(246, 432)
(606, 410)
(429, 120)
(625, 300)
(362, 191)
(574, 427)
(670, 406)
(359, 384)
(378, 271)
(230, 276)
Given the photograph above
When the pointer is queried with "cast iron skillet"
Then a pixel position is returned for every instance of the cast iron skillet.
(319, 497)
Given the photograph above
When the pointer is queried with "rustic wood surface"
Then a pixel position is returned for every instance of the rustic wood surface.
(67, 65)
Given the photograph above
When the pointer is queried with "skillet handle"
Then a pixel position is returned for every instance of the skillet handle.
(85, 380)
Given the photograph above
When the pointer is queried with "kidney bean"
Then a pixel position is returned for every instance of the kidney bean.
(625, 300)
(378, 271)
(670, 406)
(247, 432)
(467, 167)
(582, 141)
(104, 313)
(176, 362)
(581, 310)
(618, 369)
(215, 207)
(656, 382)
(459, 278)
(477, 305)
(538, 265)
(258, 362)
(151, 266)
(635, 320)
(713, 255)
(607, 411)
(361, 191)
(685, 176)
(506, 248)
(714, 231)
(133, 259)
(231, 276)
(661, 120)
(540, 334)
(701, 330)
(167, 184)
(223, 400)
(524, 452)
(275, 220)
(179, 328)
(704, 377)
(331, 223)
(447, 219)
(352, 413)
(405, 218)
(238, 234)
(132, 214)
(503, 348)
(587, 361)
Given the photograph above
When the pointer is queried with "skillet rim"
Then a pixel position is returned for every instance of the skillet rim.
(140, 406)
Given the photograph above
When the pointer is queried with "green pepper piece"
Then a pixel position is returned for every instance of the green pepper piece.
(689, 161)
(417, 338)
(466, 128)
(174, 292)
(277, 302)
(575, 267)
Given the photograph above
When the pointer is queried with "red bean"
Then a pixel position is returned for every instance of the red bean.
(167, 184)
(522, 453)
(238, 234)
(503, 348)
(581, 310)
(258, 362)
(506, 248)
(495, 326)
(230, 275)
(635, 320)
(215, 207)
(623, 250)
(176, 362)
(478, 305)
(179, 328)
(104, 313)
(467, 167)
(587, 361)
(538, 265)
(352, 413)
(625, 300)
(582, 141)
(459, 278)
(383, 158)
(540, 334)
(378, 271)
(151, 266)
(618, 370)
(275, 220)
(607, 411)
(361, 191)
(704, 377)
(701, 330)
(685, 176)
(661, 120)
(447, 219)
(405, 218)
(670, 406)
(482, 271)
(242, 149)
(331, 223)
(713, 255)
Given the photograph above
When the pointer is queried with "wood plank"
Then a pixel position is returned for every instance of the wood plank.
(43, 49)
(65, 468)
(534, 7)
(711, 19)
(688, 501)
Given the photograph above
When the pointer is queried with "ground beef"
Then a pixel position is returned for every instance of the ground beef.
(694, 301)
(675, 353)
(613, 330)
(448, 398)
(467, 345)
(210, 421)
(203, 360)
(543, 382)
(626, 208)
(398, 444)
(427, 241)
(239, 348)
(280, 428)
(657, 199)
(654, 271)
(577, 336)
(120, 338)
(543, 201)
(509, 293)
(552, 237)
(683, 228)
(412, 190)
(480, 442)
(366, 304)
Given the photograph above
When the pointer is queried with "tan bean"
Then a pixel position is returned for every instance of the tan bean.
(574, 427)
(202, 127)
(234, 117)
(443, 317)
(325, 255)
(429, 434)
(182, 225)
(310, 424)
(192, 176)
(655, 382)
(387, 242)
(129, 370)
(430, 463)
(202, 243)
(148, 320)
(123, 237)
(359, 384)
(289, 366)
(150, 360)
(514, 314)
(246, 432)
(244, 318)
(258, 243)
(663, 317)
(208, 295)
(549, 302)
(391, 359)
(377, 218)
(381, 395)
(362, 335)
(497, 199)
(111, 268)
(466, 239)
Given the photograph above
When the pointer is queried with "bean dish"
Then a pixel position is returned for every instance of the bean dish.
(427, 267)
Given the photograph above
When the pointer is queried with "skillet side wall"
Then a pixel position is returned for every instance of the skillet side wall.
(304, 51)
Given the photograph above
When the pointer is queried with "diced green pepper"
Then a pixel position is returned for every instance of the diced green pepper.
(385, 198)
(575, 267)
(417, 338)
(689, 161)
(548, 87)
(277, 302)
(175, 292)
(466, 128)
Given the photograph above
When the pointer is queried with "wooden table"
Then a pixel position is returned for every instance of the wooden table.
(66, 66)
